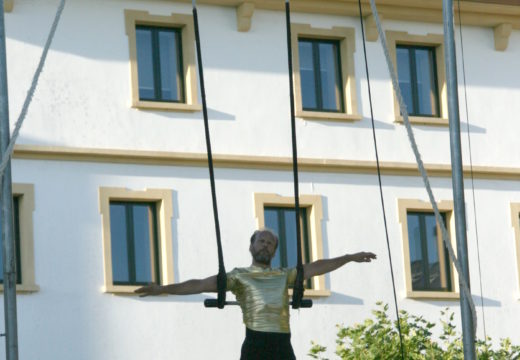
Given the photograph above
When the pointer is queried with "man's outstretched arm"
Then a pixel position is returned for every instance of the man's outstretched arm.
(194, 286)
(327, 265)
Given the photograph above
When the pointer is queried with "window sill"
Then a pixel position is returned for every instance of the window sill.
(327, 116)
(424, 120)
(120, 289)
(433, 295)
(24, 288)
(166, 106)
(312, 293)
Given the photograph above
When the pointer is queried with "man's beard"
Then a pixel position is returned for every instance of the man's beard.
(262, 257)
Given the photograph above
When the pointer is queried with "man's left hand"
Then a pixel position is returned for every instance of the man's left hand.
(363, 257)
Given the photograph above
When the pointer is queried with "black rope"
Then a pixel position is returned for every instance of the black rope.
(380, 183)
(221, 276)
(471, 171)
(298, 284)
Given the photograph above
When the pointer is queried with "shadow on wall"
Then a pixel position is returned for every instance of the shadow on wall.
(340, 299)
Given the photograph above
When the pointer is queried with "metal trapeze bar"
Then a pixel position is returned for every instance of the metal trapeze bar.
(210, 303)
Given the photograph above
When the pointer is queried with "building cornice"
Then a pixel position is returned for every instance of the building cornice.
(500, 15)
(490, 13)
(139, 157)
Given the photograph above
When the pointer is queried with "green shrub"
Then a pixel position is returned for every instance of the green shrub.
(379, 339)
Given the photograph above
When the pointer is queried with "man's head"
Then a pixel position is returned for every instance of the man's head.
(263, 246)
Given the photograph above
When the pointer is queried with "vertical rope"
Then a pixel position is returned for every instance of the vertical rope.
(298, 285)
(221, 277)
(379, 180)
(471, 171)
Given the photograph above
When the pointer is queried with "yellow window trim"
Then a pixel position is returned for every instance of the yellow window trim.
(405, 205)
(394, 38)
(25, 193)
(8, 5)
(183, 22)
(163, 199)
(315, 213)
(347, 46)
(515, 214)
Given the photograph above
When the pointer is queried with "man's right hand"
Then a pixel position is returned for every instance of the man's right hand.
(152, 289)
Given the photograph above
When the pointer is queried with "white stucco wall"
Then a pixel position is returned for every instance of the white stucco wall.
(70, 317)
(83, 100)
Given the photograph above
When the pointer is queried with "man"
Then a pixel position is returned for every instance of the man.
(262, 294)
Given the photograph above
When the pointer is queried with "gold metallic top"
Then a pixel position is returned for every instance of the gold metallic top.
(262, 295)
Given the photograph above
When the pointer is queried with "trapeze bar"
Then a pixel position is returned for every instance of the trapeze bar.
(210, 303)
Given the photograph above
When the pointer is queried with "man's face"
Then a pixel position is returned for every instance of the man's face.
(263, 248)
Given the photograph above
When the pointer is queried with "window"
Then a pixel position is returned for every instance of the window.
(515, 220)
(159, 64)
(133, 233)
(418, 79)
(428, 254)
(23, 207)
(320, 75)
(323, 72)
(429, 272)
(277, 213)
(419, 61)
(136, 237)
(282, 221)
(162, 61)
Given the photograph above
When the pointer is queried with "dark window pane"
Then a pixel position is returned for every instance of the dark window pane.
(145, 63)
(414, 237)
(307, 76)
(119, 243)
(429, 271)
(143, 242)
(432, 242)
(159, 64)
(16, 213)
(133, 243)
(290, 237)
(426, 88)
(417, 78)
(271, 222)
(320, 74)
(169, 46)
(405, 78)
(281, 221)
(330, 76)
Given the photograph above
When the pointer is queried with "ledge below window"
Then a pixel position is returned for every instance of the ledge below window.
(432, 295)
(166, 106)
(23, 288)
(327, 116)
(120, 289)
(424, 120)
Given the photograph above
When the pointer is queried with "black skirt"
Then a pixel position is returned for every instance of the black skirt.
(260, 345)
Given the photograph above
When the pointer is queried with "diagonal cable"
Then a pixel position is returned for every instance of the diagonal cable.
(420, 165)
(30, 93)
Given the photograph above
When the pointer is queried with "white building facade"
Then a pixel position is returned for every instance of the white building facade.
(105, 160)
